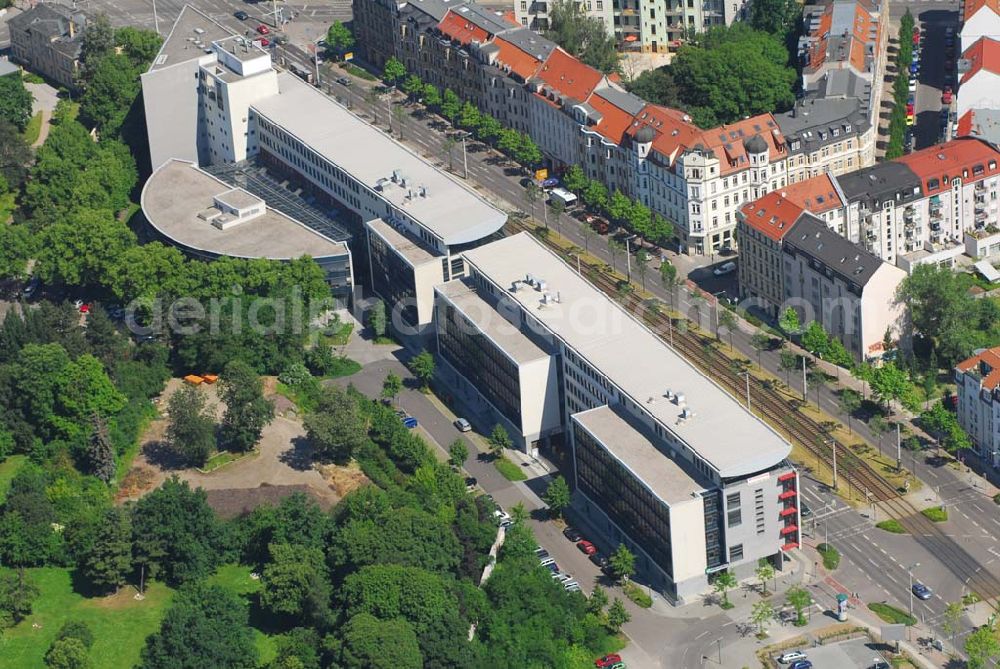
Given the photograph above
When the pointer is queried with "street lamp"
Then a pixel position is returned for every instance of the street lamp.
(628, 256)
(909, 570)
(465, 156)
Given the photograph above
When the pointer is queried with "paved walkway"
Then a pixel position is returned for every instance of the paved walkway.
(45, 99)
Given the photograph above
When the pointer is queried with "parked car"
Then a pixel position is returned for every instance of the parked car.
(804, 510)
(909, 108)
(410, 422)
(241, 15)
(264, 42)
(462, 425)
(607, 660)
(343, 81)
(263, 30)
(32, 287)
(471, 482)
(725, 268)
(551, 182)
(913, 86)
(598, 559)
(541, 553)
(922, 591)
(910, 119)
(586, 547)
(572, 534)
(914, 68)
(801, 664)
(598, 225)
(791, 656)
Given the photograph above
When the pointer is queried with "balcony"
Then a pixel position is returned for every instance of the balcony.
(789, 529)
(787, 476)
(628, 11)
(788, 494)
(790, 545)
(788, 511)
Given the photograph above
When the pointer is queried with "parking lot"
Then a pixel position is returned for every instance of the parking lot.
(854, 654)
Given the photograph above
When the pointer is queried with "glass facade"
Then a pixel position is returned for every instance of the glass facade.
(713, 535)
(626, 501)
(393, 279)
(476, 358)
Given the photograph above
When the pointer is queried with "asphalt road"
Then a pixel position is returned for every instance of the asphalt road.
(932, 76)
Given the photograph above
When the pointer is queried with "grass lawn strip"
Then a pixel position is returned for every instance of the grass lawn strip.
(8, 470)
(936, 513)
(892, 525)
(509, 470)
(891, 614)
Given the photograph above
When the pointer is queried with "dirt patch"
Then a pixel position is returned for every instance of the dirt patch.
(139, 480)
(233, 502)
(343, 479)
(123, 599)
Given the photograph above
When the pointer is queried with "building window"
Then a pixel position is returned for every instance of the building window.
(734, 515)
(736, 553)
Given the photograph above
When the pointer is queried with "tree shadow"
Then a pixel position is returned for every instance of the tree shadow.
(300, 456)
(159, 454)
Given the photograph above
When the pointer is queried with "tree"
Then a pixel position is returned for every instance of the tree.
(15, 101)
(951, 620)
(557, 495)
(849, 401)
(499, 441)
(622, 563)
(761, 614)
(878, 427)
(527, 152)
(614, 248)
(100, 451)
(777, 17)
(488, 129)
(68, 653)
(469, 116)
(340, 38)
(618, 615)
(558, 207)
(837, 354)
(18, 592)
(98, 40)
(377, 318)
(598, 600)
(450, 105)
(432, 96)
(724, 582)
(595, 195)
(888, 382)
(141, 46)
(108, 561)
(573, 179)
(247, 410)
(336, 429)
(982, 647)
(413, 87)
(531, 194)
(294, 585)
(789, 322)
(938, 307)
(191, 425)
(422, 366)
(815, 339)
(15, 156)
(379, 644)
(764, 572)
(618, 206)
(727, 319)
(174, 533)
(583, 36)
(391, 386)
(759, 341)
(112, 88)
(730, 72)
(788, 362)
(642, 265)
(393, 71)
(458, 453)
(799, 598)
(205, 626)
(83, 249)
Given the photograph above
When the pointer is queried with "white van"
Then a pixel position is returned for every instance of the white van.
(791, 656)
(562, 195)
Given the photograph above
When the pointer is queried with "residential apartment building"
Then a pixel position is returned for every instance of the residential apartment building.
(534, 14)
(697, 179)
(790, 257)
(47, 39)
(980, 18)
(650, 467)
(977, 386)
(979, 77)
(215, 99)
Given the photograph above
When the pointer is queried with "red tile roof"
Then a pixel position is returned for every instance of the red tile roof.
(726, 141)
(461, 29)
(615, 120)
(773, 215)
(520, 62)
(817, 194)
(983, 54)
(967, 158)
(973, 6)
(511, 18)
(990, 358)
(569, 76)
(965, 123)
(672, 128)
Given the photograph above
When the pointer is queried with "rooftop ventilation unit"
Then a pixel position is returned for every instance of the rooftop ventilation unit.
(540, 285)
(687, 413)
(679, 399)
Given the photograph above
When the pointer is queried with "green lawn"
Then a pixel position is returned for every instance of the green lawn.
(936, 513)
(891, 614)
(33, 129)
(120, 623)
(891, 525)
(236, 579)
(509, 470)
(8, 469)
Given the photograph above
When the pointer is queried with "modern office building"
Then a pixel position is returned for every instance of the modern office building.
(216, 99)
(47, 39)
(214, 219)
(650, 465)
(977, 385)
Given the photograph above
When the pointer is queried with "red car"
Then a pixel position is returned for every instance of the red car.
(264, 41)
(263, 30)
(916, 36)
(608, 660)
(946, 96)
(586, 547)
(909, 108)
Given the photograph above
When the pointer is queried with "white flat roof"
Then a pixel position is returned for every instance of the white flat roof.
(416, 253)
(178, 191)
(632, 357)
(501, 332)
(453, 212)
(632, 447)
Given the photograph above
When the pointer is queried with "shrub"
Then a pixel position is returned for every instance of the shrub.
(637, 595)
(294, 375)
(831, 556)
(509, 470)
(936, 513)
(891, 525)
